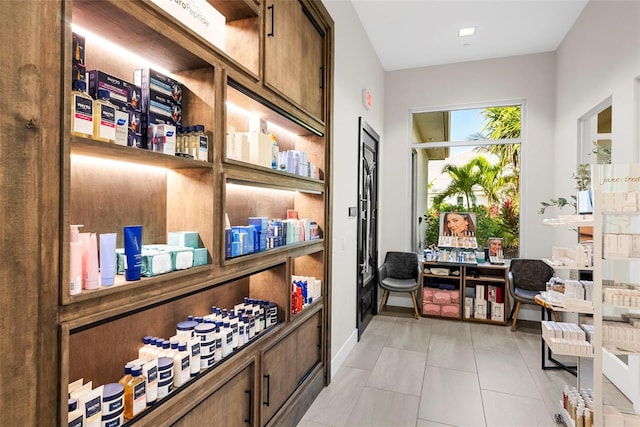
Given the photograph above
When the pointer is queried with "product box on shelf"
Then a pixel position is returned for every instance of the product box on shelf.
(261, 224)
(149, 79)
(118, 88)
(158, 103)
(189, 239)
(78, 70)
(497, 312)
(162, 138)
(200, 256)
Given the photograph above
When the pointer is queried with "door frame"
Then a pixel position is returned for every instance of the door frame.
(366, 134)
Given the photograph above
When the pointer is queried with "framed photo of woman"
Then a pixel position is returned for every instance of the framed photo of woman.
(459, 224)
(495, 246)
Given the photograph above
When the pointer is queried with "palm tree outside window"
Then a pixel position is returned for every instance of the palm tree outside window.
(468, 160)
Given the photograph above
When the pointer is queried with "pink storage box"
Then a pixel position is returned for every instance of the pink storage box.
(441, 297)
(450, 310)
(431, 309)
(427, 295)
(455, 297)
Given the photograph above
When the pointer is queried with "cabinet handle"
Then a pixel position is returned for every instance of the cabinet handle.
(321, 77)
(272, 8)
(268, 378)
(249, 419)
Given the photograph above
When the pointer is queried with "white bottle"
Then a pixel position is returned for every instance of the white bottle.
(252, 324)
(181, 368)
(241, 336)
(193, 348)
(217, 353)
(75, 258)
(143, 352)
(233, 323)
(75, 415)
(227, 339)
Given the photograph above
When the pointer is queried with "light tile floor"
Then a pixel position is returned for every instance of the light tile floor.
(433, 373)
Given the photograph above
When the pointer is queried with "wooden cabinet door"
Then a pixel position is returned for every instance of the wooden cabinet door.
(294, 55)
(308, 347)
(230, 405)
(278, 376)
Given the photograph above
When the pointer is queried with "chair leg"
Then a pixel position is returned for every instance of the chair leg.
(383, 302)
(415, 305)
(515, 316)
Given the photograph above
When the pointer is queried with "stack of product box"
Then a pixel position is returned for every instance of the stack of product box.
(125, 97)
(566, 338)
(441, 302)
(487, 303)
(262, 234)
(181, 252)
(162, 109)
(78, 70)
(304, 290)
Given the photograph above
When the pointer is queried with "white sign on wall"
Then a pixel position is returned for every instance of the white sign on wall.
(199, 16)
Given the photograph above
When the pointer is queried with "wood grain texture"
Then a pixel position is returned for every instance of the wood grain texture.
(99, 353)
(231, 405)
(30, 180)
(50, 183)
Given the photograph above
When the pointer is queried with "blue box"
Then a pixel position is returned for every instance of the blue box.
(261, 223)
(228, 240)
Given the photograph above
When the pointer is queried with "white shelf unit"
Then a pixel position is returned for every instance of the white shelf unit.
(572, 222)
(622, 369)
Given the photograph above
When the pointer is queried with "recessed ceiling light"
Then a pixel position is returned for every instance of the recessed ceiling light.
(464, 32)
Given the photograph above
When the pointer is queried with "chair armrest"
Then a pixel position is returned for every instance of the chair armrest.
(382, 272)
(511, 284)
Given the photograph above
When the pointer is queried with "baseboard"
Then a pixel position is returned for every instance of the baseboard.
(343, 353)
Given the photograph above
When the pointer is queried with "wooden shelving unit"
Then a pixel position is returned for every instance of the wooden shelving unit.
(106, 187)
(464, 278)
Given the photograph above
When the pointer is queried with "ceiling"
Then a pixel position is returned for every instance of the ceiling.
(418, 33)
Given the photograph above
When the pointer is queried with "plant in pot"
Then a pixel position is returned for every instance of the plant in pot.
(582, 178)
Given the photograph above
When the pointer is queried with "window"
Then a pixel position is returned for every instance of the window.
(467, 159)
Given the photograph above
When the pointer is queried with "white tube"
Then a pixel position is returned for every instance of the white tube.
(92, 276)
(107, 258)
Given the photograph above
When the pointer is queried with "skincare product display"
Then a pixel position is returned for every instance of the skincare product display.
(95, 260)
(566, 339)
(262, 234)
(162, 365)
(579, 406)
(621, 294)
(304, 290)
(124, 98)
(467, 241)
(623, 334)
(261, 148)
(144, 114)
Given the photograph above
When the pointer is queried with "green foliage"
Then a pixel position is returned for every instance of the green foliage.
(486, 226)
(500, 182)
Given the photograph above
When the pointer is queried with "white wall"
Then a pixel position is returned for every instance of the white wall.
(530, 78)
(356, 67)
(599, 57)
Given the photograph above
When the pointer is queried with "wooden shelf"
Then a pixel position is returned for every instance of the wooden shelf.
(243, 173)
(88, 147)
